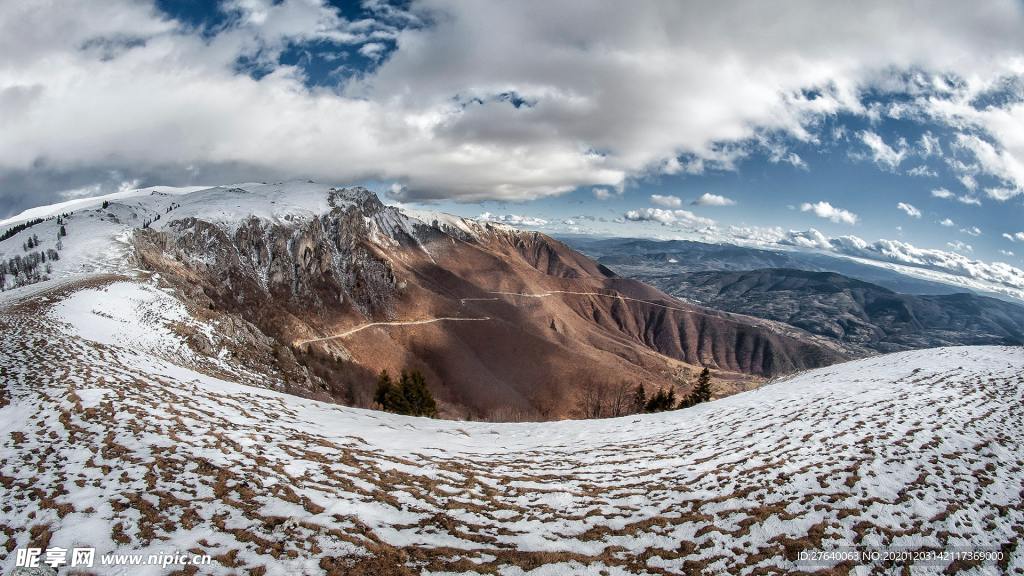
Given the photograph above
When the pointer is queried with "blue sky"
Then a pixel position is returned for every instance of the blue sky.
(874, 131)
(840, 170)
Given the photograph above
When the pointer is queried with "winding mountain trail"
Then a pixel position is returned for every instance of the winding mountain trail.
(372, 324)
(362, 327)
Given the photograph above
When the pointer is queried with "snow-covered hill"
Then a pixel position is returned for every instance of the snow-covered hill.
(99, 230)
(114, 435)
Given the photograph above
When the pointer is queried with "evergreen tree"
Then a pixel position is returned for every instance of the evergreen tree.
(417, 396)
(701, 390)
(409, 396)
(661, 401)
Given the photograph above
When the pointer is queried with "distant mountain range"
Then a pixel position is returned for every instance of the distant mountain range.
(790, 287)
(636, 257)
(860, 315)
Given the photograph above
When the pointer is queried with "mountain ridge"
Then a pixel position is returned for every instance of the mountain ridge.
(304, 262)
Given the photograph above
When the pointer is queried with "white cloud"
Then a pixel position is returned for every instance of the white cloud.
(909, 209)
(922, 171)
(929, 145)
(942, 265)
(795, 160)
(1006, 252)
(1014, 236)
(960, 246)
(668, 217)
(708, 199)
(96, 190)
(601, 193)
(883, 154)
(964, 199)
(947, 222)
(825, 210)
(969, 182)
(1004, 164)
(666, 201)
(611, 101)
(373, 50)
(972, 231)
(1003, 194)
(512, 219)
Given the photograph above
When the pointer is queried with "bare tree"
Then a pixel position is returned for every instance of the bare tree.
(602, 399)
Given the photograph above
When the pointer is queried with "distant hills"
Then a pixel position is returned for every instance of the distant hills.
(863, 308)
(861, 315)
(635, 257)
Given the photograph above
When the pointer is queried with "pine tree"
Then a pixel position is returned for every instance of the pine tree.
(417, 396)
(410, 396)
(386, 391)
(701, 390)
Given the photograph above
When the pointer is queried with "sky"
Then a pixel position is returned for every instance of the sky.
(888, 130)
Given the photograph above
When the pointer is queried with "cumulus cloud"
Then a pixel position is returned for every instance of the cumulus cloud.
(708, 199)
(884, 155)
(960, 246)
(1006, 252)
(945, 194)
(666, 201)
(602, 193)
(829, 212)
(118, 85)
(512, 219)
(972, 231)
(1001, 163)
(947, 222)
(683, 218)
(909, 209)
(1014, 236)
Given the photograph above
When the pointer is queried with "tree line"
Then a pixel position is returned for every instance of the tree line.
(606, 400)
(36, 265)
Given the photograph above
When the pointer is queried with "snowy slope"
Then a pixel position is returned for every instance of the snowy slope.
(98, 239)
(94, 201)
(110, 439)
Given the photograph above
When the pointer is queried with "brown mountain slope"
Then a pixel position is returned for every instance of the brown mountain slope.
(503, 323)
